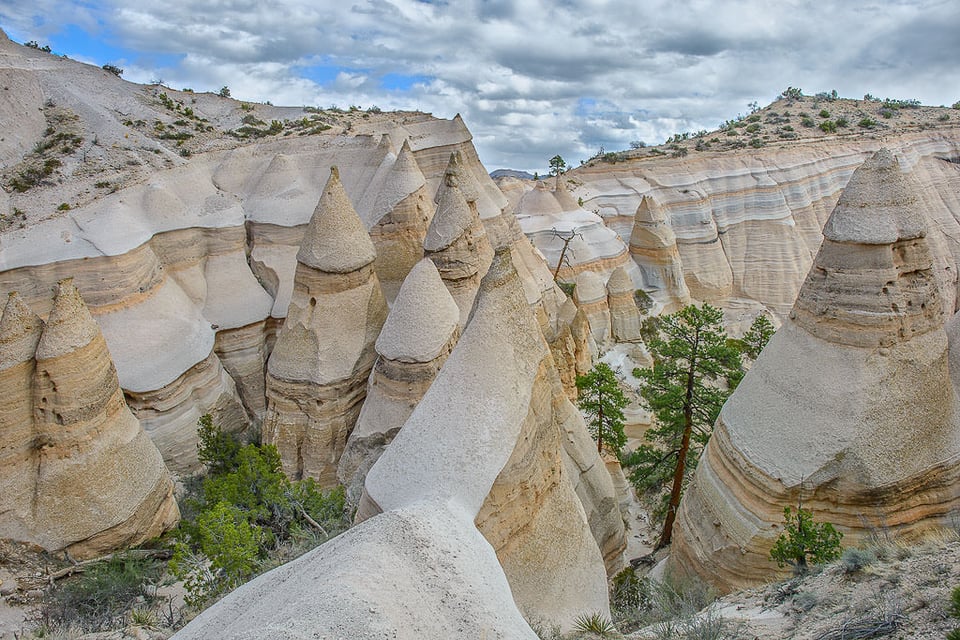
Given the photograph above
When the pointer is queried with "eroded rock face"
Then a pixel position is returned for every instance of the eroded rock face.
(83, 476)
(418, 335)
(850, 407)
(466, 453)
(590, 295)
(399, 233)
(653, 247)
(625, 317)
(317, 373)
(457, 241)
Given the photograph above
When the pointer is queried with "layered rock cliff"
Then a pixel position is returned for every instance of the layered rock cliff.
(852, 406)
(737, 228)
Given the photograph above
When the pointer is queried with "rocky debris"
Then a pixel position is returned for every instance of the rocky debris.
(868, 443)
(653, 247)
(80, 473)
(317, 373)
(456, 240)
(418, 335)
(625, 317)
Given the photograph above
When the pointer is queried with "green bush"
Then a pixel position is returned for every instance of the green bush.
(854, 560)
(828, 126)
(807, 121)
(824, 113)
(596, 624)
(99, 598)
(804, 540)
(842, 122)
(955, 602)
(867, 123)
(753, 128)
(245, 508)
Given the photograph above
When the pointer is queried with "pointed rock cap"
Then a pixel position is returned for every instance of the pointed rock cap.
(620, 282)
(649, 211)
(590, 288)
(404, 179)
(452, 219)
(878, 205)
(20, 330)
(422, 319)
(70, 325)
(456, 175)
(336, 240)
(385, 146)
(564, 197)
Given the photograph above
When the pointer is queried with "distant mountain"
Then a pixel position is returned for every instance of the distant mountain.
(511, 173)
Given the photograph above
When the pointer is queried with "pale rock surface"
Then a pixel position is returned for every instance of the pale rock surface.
(871, 441)
(418, 335)
(422, 497)
(513, 426)
(590, 295)
(402, 213)
(318, 370)
(748, 224)
(653, 247)
(456, 240)
(20, 331)
(94, 481)
(625, 317)
(550, 216)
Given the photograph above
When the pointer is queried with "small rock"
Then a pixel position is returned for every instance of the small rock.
(8, 583)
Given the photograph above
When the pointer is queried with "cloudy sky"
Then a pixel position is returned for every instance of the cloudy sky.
(531, 78)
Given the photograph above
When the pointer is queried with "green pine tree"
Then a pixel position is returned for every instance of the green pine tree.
(603, 400)
(685, 389)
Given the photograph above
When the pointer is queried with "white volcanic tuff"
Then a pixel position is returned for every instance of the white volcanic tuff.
(335, 240)
(509, 426)
(548, 216)
(873, 439)
(422, 319)
(359, 582)
(653, 247)
(418, 335)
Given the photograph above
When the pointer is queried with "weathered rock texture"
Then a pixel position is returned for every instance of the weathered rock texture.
(551, 216)
(747, 224)
(530, 513)
(188, 262)
(852, 406)
(625, 317)
(399, 232)
(418, 335)
(465, 453)
(79, 474)
(653, 247)
(590, 295)
(457, 241)
(317, 373)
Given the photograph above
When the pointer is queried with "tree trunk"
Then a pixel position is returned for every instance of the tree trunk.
(681, 467)
(600, 423)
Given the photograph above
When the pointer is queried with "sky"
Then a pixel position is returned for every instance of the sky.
(531, 79)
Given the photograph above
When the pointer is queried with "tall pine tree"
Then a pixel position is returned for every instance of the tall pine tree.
(685, 389)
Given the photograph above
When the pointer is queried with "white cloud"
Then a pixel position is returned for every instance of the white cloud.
(520, 71)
